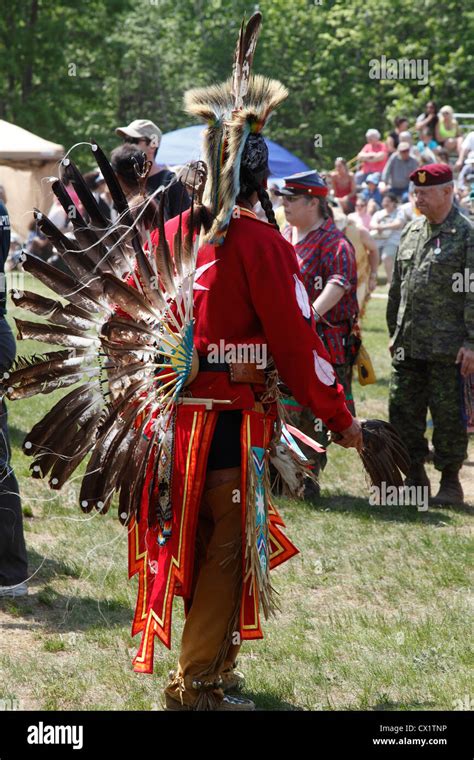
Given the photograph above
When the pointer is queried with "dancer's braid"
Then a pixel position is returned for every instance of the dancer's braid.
(254, 172)
(267, 205)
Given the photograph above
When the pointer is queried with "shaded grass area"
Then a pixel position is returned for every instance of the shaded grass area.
(374, 611)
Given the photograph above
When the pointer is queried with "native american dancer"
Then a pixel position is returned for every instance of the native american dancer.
(182, 434)
(226, 533)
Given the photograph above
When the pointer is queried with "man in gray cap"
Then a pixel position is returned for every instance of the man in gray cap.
(396, 174)
(147, 136)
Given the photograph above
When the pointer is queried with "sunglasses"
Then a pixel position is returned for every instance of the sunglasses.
(136, 140)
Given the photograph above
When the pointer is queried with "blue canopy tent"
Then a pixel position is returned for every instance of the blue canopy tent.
(183, 145)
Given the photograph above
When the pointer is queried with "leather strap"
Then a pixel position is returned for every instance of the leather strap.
(240, 372)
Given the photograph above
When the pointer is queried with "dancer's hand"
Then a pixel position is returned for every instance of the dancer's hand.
(351, 437)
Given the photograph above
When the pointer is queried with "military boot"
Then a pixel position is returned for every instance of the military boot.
(417, 477)
(450, 488)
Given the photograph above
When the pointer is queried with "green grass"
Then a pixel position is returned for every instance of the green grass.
(374, 611)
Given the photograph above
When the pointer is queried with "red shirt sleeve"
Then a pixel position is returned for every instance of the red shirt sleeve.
(281, 302)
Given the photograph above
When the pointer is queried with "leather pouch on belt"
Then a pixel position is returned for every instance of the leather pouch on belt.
(246, 372)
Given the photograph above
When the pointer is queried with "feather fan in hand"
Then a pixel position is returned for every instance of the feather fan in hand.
(384, 455)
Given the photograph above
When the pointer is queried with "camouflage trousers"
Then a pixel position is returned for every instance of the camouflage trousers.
(417, 385)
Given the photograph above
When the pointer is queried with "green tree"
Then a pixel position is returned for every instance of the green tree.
(75, 72)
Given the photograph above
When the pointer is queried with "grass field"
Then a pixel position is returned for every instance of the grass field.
(374, 611)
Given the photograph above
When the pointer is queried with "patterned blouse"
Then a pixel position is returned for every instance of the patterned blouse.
(325, 255)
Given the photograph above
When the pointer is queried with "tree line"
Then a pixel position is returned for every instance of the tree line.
(72, 71)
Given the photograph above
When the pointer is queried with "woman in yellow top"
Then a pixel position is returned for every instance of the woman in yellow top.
(447, 130)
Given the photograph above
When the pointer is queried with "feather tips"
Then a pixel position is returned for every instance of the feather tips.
(384, 455)
(243, 58)
(54, 334)
(163, 258)
(65, 285)
(128, 298)
(54, 311)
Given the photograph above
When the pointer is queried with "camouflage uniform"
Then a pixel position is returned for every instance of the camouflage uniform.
(429, 322)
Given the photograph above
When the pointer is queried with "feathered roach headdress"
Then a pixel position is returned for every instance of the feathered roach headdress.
(233, 110)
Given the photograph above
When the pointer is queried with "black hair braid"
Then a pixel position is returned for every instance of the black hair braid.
(326, 209)
(267, 205)
(254, 172)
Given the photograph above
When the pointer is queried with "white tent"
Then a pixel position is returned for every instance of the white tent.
(25, 159)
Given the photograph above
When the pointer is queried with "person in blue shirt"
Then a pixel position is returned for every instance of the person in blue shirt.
(426, 141)
(371, 192)
(13, 558)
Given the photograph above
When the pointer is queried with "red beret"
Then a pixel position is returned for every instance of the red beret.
(432, 174)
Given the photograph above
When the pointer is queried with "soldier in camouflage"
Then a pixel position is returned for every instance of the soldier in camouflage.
(430, 318)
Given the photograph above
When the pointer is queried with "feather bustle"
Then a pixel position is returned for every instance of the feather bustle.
(64, 285)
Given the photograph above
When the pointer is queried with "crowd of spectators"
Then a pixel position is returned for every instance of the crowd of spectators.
(372, 189)
(376, 194)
